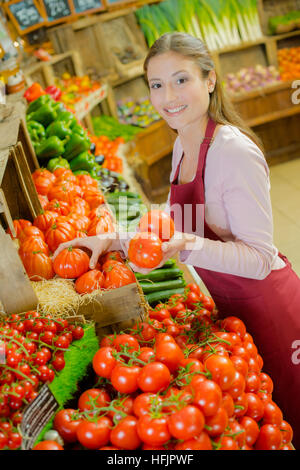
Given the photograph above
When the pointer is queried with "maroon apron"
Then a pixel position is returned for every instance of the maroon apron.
(270, 308)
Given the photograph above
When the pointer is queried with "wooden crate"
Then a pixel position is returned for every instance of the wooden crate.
(273, 116)
(270, 8)
(116, 309)
(17, 161)
(16, 292)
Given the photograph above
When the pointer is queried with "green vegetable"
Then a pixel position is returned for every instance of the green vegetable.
(110, 126)
(149, 287)
(66, 116)
(77, 128)
(57, 162)
(162, 295)
(49, 148)
(80, 172)
(36, 104)
(75, 145)
(59, 128)
(36, 131)
(83, 161)
(45, 114)
(161, 274)
(170, 263)
(127, 194)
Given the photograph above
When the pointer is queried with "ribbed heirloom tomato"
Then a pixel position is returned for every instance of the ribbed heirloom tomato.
(89, 281)
(71, 263)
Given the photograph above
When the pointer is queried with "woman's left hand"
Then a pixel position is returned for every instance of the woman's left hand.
(177, 243)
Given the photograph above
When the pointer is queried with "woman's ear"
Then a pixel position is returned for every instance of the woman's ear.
(211, 81)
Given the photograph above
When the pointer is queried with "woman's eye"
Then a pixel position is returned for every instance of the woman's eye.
(156, 85)
(181, 80)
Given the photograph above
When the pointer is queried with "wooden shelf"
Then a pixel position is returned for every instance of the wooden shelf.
(274, 116)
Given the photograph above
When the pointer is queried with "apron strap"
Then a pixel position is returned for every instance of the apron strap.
(210, 129)
(209, 132)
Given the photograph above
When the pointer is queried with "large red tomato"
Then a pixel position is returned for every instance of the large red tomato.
(158, 222)
(145, 250)
(89, 281)
(71, 263)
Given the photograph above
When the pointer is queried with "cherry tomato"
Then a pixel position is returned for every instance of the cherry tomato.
(125, 434)
(104, 362)
(124, 378)
(269, 438)
(66, 424)
(94, 434)
(153, 431)
(252, 429)
(48, 445)
(93, 397)
(208, 397)
(154, 377)
(186, 423)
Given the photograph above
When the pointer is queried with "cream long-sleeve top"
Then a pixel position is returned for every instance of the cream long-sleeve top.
(237, 208)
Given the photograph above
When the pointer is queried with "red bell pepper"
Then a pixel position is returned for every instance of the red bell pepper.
(54, 92)
(34, 92)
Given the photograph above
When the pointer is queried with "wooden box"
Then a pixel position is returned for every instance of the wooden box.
(16, 292)
(273, 116)
(17, 161)
(271, 8)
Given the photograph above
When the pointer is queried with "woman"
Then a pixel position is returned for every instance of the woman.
(220, 203)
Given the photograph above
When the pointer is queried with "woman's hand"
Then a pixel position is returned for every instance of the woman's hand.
(98, 244)
(177, 243)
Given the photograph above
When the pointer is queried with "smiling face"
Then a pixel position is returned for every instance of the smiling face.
(178, 90)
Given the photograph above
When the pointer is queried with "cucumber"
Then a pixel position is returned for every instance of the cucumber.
(149, 287)
(162, 295)
(160, 275)
(128, 194)
(171, 263)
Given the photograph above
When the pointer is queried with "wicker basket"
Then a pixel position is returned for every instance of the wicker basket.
(271, 8)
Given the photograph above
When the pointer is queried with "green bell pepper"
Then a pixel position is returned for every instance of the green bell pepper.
(36, 131)
(66, 116)
(59, 128)
(76, 145)
(83, 161)
(36, 104)
(51, 147)
(77, 128)
(57, 162)
(44, 114)
(59, 107)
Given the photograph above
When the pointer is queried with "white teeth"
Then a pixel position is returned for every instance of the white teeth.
(176, 110)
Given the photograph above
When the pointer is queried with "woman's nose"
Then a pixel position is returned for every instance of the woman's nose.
(170, 94)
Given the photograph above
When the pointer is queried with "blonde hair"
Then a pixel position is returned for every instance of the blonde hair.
(220, 109)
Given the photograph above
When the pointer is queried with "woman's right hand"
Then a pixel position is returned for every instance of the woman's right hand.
(98, 245)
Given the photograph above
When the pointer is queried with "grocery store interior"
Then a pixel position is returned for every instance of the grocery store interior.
(84, 154)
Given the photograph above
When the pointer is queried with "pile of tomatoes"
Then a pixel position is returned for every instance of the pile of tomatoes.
(109, 149)
(34, 346)
(181, 380)
(73, 207)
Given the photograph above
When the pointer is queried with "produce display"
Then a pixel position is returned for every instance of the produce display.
(284, 23)
(112, 128)
(60, 140)
(73, 89)
(39, 349)
(251, 78)
(289, 63)
(139, 113)
(220, 23)
(181, 380)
